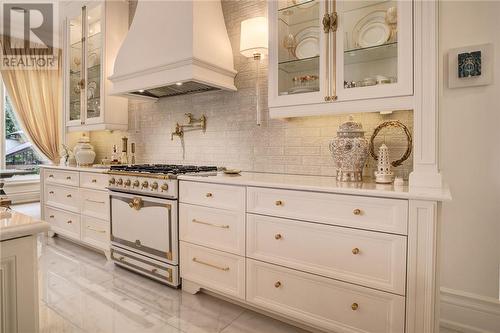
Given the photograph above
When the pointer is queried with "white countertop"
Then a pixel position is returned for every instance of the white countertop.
(321, 184)
(15, 225)
(75, 168)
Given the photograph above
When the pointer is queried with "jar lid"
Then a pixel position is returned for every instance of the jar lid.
(351, 128)
(84, 139)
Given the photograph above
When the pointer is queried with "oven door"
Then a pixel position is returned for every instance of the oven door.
(145, 225)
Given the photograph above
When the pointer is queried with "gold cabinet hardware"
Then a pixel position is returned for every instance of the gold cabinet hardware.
(327, 98)
(223, 226)
(357, 211)
(136, 203)
(51, 176)
(51, 216)
(277, 236)
(96, 230)
(121, 258)
(95, 201)
(355, 251)
(209, 195)
(333, 21)
(81, 84)
(51, 192)
(196, 260)
(119, 182)
(164, 187)
(326, 23)
(69, 222)
(136, 183)
(68, 196)
(138, 243)
(127, 182)
(354, 306)
(154, 186)
(94, 180)
(68, 178)
(279, 203)
(112, 181)
(277, 284)
(145, 184)
(154, 270)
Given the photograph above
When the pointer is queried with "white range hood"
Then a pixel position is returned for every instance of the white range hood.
(174, 48)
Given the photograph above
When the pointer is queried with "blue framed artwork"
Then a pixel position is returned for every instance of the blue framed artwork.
(469, 64)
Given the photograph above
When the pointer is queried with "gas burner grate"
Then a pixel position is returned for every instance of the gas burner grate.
(163, 168)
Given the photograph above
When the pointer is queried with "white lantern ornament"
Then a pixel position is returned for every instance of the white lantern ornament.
(383, 175)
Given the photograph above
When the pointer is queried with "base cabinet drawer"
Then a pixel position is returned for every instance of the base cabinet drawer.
(379, 214)
(212, 195)
(61, 177)
(95, 203)
(62, 197)
(216, 270)
(215, 228)
(324, 303)
(95, 232)
(372, 259)
(93, 180)
(63, 222)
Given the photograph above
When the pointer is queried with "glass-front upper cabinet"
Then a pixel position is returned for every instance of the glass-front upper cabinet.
(298, 54)
(334, 52)
(90, 50)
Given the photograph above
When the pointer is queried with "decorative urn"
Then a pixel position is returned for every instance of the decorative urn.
(349, 150)
(84, 152)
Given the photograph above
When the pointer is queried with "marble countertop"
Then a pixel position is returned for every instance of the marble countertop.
(75, 168)
(321, 184)
(15, 225)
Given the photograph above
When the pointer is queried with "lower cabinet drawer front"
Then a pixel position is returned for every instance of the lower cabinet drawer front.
(215, 228)
(324, 303)
(379, 214)
(95, 232)
(228, 197)
(94, 180)
(372, 259)
(95, 203)
(62, 197)
(216, 270)
(63, 222)
(62, 177)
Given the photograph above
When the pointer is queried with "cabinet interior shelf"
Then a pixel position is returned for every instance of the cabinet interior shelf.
(370, 54)
(298, 4)
(94, 68)
(300, 65)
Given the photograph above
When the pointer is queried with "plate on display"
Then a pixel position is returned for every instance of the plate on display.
(371, 30)
(300, 90)
(307, 43)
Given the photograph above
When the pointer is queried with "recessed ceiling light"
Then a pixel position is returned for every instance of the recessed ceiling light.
(178, 83)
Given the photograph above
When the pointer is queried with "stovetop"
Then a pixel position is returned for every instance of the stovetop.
(166, 169)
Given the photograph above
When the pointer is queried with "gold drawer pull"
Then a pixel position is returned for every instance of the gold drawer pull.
(279, 203)
(277, 284)
(51, 192)
(68, 178)
(51, 216)
(94, 180)
(69, 222)
(354, 306)
(355, 251)
(95, 201)
(277, 236)
(209, 195)
(357, 211)
(68, 196)
(51, 176)
(225, 269)
(96, 230)
(224, 226)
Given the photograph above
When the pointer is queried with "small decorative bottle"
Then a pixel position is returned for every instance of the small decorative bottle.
(132, 153)
(124, 157)
(114, 155)
(383, 175)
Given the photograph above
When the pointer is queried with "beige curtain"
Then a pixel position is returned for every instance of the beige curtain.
(36, 97)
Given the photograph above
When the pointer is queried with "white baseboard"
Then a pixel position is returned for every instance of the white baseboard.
(469, 313)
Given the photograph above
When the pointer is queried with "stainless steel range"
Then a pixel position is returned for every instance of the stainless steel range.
(144, 223)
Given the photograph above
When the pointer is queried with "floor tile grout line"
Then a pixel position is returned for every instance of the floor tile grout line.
(232, 321)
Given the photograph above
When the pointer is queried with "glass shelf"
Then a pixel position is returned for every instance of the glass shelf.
(94, 69)
(300, 65)
(298, 4)
(301, 13)
(370, 54)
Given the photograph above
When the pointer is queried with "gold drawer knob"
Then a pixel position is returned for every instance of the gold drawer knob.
(94, 180)
(279, 203)
(277, 236)
(355, 251)
(51, 176)
(277, 284)
(69, 222)
(357, 211)
(121, 258)
(51, 216)
(354, 306)
(209, 195)
(51, 192)
(68, 196)
(68, 178)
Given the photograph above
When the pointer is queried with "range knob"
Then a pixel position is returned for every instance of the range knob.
(119, 182)
(111, 181)
(135, 184)
(127, 182)
(164, 187)
(154, 186)
(145, 184)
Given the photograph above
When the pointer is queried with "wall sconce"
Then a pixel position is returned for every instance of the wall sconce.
(254, 44)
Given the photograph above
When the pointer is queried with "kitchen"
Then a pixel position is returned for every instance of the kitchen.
(219, 195)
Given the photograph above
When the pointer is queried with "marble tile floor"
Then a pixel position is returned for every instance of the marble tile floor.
(80, 291)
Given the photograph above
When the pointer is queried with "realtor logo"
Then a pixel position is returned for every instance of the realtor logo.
(29, 35)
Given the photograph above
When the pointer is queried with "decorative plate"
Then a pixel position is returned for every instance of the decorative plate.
(371, 30)
(307, 43)
(300, 90)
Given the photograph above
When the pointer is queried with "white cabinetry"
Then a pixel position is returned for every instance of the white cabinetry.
(328, 57)
(93, 32)
(76, 205)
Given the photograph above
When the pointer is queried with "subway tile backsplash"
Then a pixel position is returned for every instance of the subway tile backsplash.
(232, 138)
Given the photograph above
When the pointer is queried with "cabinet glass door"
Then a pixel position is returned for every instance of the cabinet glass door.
(297, 58)
(75, 59)
(374, 49)
(93, 51)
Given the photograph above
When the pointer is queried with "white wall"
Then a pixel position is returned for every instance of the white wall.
(470, 158)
